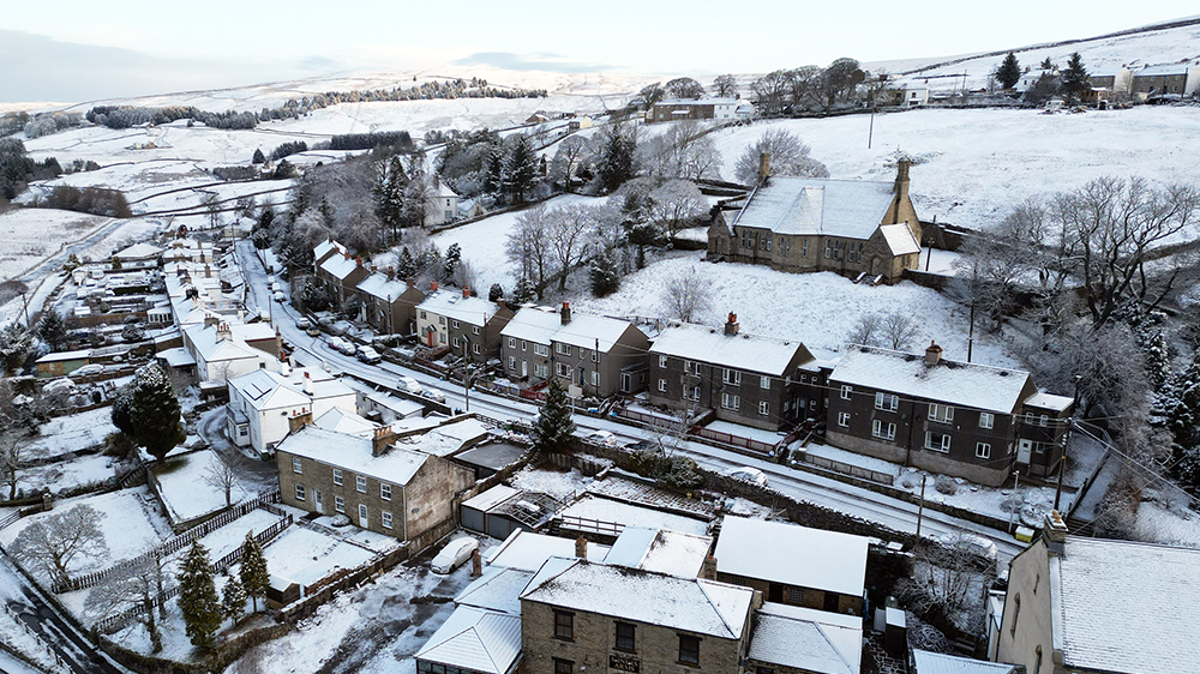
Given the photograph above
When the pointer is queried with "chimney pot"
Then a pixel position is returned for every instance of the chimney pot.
(433, 286)
(358, 260)
(933, 354)
(1055, 531)
(581, 547)
(731, 325)
(565, 313)
(466, 291)
(476, 564)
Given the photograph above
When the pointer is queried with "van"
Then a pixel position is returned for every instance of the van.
(455, 554)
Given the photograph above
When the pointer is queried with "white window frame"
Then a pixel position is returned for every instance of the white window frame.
(541, 350)
(662, 362)
(562, 349)
(541, 370)
(731, 402)
(764, 383)
(847, 391)
(300, 494)
(943, 414)
(844, 419)
(884, 430)
(732, 377)
(363, 513)
(297, 465)
(887, 402)
(562, 369)
(512, 342)
(983, 450)
(475, 349)
(595, 378)
(512, 362)
(764, 408)
(944, 443)
(454, 324)
(1043, 421)
(360, 484)
(662, 385)
(475, 329)
(385, 491)
(987, 420)
(337, 476)
(339, 504)
(692, 393)
(385, 518)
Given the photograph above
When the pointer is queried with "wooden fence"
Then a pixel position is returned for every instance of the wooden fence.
(734, 440)
(170, 547)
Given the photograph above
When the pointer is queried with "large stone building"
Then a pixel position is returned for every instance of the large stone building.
(851, 227)
(965, 419)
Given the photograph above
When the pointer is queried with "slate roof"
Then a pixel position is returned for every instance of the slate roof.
(928, 662)
(481, 641)
(994, 389)
(339, 266)
(806, 639)
(498, 589)
(353, 453)
(900, 239)
(751, 353)
(1126, 607)
(792, 554)
(543, 325)
(660, 550)
(695, 605)
(378, 285)
(792, 205)
(451, 304)
(267, 390)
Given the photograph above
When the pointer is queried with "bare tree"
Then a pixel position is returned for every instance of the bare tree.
(528, 248)
(898, 330)
(569, 241)
(572, 154)
(676, 202)
(771, 92)
(789, 157)
(951, 576)
(725, 86)
(13, 460)
(141, 585)
(684, 151)
(686, 295)
(53, 542)
(866, 331)
(220, 474)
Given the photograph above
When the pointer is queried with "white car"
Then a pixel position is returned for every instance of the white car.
(409, 384)
(602, 438)
(748, 474)
(88, 370)
(434, 395)
(340, 345)
(455, 554)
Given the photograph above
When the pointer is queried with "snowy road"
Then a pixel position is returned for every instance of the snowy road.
(893, 513)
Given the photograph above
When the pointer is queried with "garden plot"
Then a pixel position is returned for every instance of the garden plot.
(73, 432)
(186, 489)
(305, 556)
(65, 475)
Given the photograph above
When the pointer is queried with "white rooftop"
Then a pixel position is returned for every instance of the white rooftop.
(791, 205)
(928, 662)
(695, 605)
(491, 498)
(1159, 71)
(351, 452)
(480, 641)
(327, 246)
(807, 640)
(339, 420)
(660, 550)
(543, 325)
(533, 324)
(1106, 588)
(627, 514)
(139, 251)
(994, 389)
(340, 266)
(792, 554)
(448, 438)
(266, 390)
(527, 551)
(699, 101)
(498, 589)
(743, 352)
(900, 239)
(1049, 402)
(452, 304)
(379, 285)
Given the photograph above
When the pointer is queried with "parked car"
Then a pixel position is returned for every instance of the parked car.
(748, 474)
(434, 394)
(368, 355)
(278, 296)
(303, 323)
(340, 345)
(455, 554)
(88, 370)
(602, 438)
(409, 384)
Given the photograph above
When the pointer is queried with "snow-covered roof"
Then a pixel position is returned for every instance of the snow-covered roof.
(994, 389)
(340, 266)
(326, 247)
(447, 438)
(1048, 401)
(64, 355)
(792, 554)
(176, 357)
(659, 550)
(452, 304)
(742, 351)
(806, 639)
(339, 420)
(627, 514)
(928, 662)
(498, 589)
(527, 551)
(480, 641)
(698, 101)
(402, 407)
(267, 390)
(212, 349)
(1105, 588)
(791, 205)
(900, 239)
(694, 605)
(533, 324)
(443, 190)
(543, 325)
(491, 498)
(1165, 70)
(379, 285)
(139, 251)
(351, 452)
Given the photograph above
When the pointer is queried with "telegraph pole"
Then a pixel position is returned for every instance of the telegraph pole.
(466, 378)
(921, 508)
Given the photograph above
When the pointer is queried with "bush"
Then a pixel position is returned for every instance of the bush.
(945, 485)
(94, 200)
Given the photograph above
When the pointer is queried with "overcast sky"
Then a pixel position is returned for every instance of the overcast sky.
(77, 50)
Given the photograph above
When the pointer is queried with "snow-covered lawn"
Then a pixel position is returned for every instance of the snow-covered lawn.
(819, 310)
(73, 432)
(975, 165)
(29, 235)
(184, 484)
(558, 484)
(305, 556)
(64, 475)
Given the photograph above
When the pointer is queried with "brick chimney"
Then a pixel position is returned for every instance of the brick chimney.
(1055, 531)
(581, 547)
(298, 421)
(466, 291)
(565, 313)
(900, 189)
(433, 286)
(476, 563)
(731, 324)
(207, 271)
(410, 282)
(358, 260)
(383, 437)
(308, 389)
(764, 167)
(933, 355)
(708, 569)
(210, 321)
(391, 272)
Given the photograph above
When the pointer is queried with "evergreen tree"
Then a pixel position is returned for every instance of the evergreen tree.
(254, 574)
(1047, 64)
(496, 293)
(116, 263)
(52, 330)
(616, 159)
(258, 157)
(450, 262)
(266, 218)
(1009, 72)
(389, 196)
(524, 292)
(520, 171)
(406, 267)
(198, 598)
(284, 170)
(604, 277)
(16, 343)
(493, 176)
(1075, 78)
(233, 599)
(154, 411)
(552, 430)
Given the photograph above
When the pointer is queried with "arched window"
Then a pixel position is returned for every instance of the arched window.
(1016, 614)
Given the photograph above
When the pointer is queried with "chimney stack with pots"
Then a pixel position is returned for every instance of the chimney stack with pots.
(433, 286)
(565, 313)
(384, 437)
(1055, 531)
(933, 355)
(708, 569)
(764, 167)
(466, 291)
(731, 325)
(476, 563)
(581, 547)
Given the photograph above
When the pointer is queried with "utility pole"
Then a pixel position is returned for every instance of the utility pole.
(971, 333)
(466, 379)
(921, 508)
(1016, 490)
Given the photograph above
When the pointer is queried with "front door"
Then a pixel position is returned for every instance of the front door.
(362, 516)
(524, 369)
(317, 501)
(430, 336)
(775, 592)
(831, 602)
(1024, 451)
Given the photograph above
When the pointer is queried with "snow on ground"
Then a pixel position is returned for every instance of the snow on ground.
(185, 489)
(818, 309)
(29, 235)
(305, 556)
(975, 165)
(739, 430)
(63, 475)
(1169, 523)
(558, 484)
(73, 432)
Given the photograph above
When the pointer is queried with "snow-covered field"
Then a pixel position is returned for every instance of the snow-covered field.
(973, 166)
(184, 483)
(72, 432)
(29, 235)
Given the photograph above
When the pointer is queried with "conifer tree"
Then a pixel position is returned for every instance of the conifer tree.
(496, 293)
(254, 575)
(493, 176)
(523, 292)
(154, 411)
(198, 598)
(604, 277)
(1075, 78)
(52, 330)
(616, 160)
(406, 266)
(233, 599)
(520, 171)
(1009, 72)
(1047, 64)
(553, 428)
(259, 158)
(450, 262)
